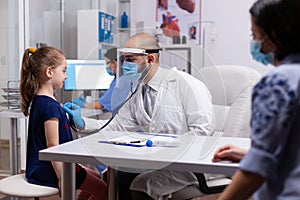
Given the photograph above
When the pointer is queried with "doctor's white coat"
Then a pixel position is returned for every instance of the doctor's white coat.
(183, 104)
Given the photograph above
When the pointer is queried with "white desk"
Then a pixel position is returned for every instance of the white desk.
(14, 116)
(194, 154)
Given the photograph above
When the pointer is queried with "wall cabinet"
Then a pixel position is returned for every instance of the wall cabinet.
(99, 30)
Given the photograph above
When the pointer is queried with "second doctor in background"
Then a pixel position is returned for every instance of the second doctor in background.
(103, 102)
(180, 104)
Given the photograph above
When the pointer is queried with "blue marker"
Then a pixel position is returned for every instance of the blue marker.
(149, 143)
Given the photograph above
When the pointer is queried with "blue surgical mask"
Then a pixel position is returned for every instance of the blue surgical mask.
(130, 70)
(109, 71)
(255, 49)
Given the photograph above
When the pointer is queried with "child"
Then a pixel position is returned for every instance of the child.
(43, 71)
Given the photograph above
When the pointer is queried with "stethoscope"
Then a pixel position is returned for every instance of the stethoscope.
(116, 110)
(114, 113)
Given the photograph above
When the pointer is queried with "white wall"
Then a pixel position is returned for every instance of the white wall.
(45, 24)
(143, 11)
(9, 53)
(36, 20)
(70, 25)
(3, 42)
(232, 25)
(4, 72)
(228, 41)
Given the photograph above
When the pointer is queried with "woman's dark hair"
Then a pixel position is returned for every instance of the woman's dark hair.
(280, 21)
(33, 63)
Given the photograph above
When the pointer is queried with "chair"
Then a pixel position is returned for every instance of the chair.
(231, 89)
(17, 186)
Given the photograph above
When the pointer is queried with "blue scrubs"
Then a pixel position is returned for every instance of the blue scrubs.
(105, 100)
(41, 172)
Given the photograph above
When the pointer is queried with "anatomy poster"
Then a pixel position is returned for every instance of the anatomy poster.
(179, 18)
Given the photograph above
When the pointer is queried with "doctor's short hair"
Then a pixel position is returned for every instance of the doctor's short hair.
(147, 41)
(111, 54)
(279, 19)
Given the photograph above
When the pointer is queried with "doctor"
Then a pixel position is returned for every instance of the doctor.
(173, 102)
(103, 102)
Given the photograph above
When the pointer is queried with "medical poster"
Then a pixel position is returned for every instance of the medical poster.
(180, 19)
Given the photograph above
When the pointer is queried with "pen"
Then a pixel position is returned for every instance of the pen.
(118, 142)
(136, 141)
(122, 143)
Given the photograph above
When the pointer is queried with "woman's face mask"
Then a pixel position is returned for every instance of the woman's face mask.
(255, 49)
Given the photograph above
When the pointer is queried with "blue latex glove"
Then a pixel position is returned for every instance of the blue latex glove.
(79, 101)
(74, 115)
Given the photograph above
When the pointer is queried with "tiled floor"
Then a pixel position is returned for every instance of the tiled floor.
(4, 156)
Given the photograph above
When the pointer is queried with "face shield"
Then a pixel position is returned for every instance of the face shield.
(130, 73)
(134, 65)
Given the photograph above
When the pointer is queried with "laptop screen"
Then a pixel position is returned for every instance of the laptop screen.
(87, 75)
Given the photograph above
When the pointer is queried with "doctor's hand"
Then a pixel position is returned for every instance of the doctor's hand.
(80, 101)
(74, 115)
(229, 152)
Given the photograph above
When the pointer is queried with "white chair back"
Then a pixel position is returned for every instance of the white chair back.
(231, 89)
